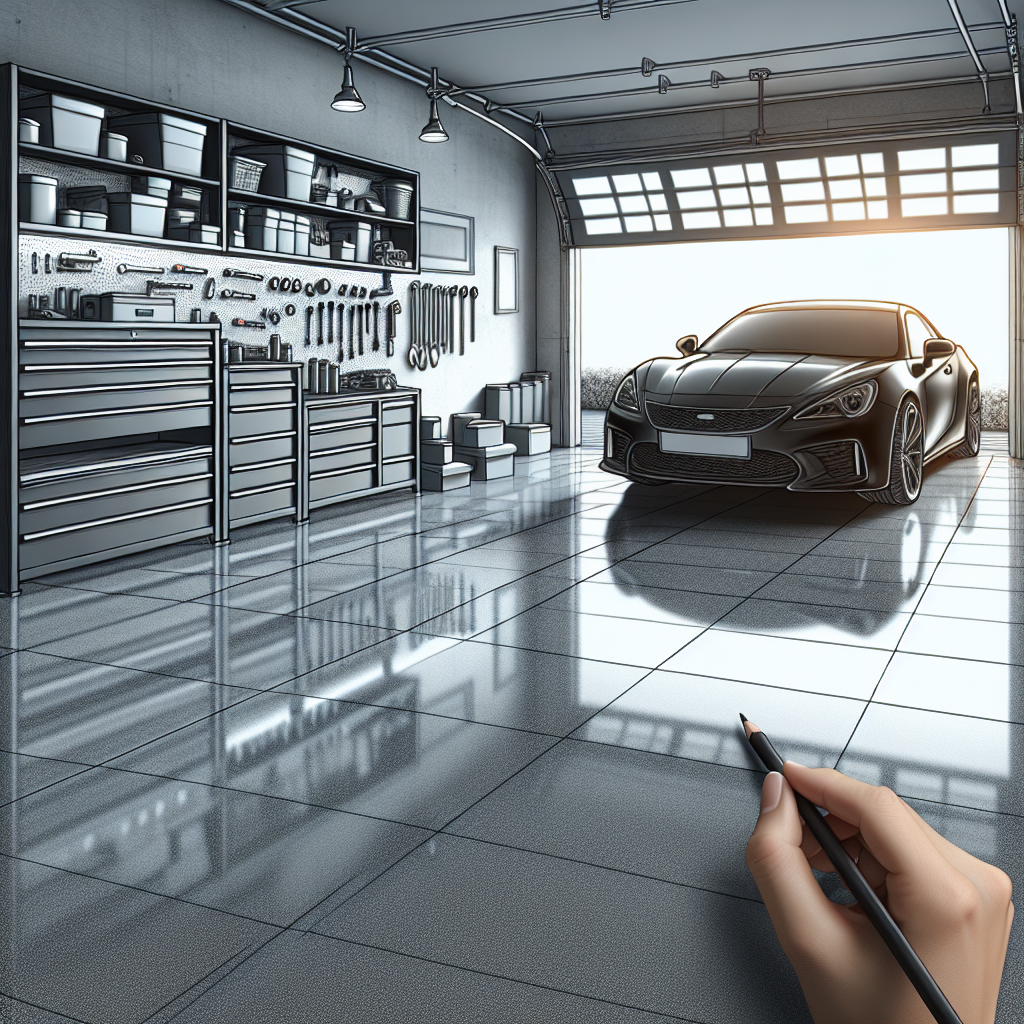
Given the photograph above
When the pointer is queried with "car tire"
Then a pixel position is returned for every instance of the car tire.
(972, 430)
(906, 463)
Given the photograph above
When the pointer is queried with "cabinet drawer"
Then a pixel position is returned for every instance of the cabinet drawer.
(332, 413)
(260, 396)
(106, 505)
(280, 499)
(151, 529)
(242, 423)
(344, 483)
(270, 375)
(92, 427)
(113, 377)
(87, 483)
(102, 355)
(324, 440)
(244, 479)
(397, 414)
(393, 472)
(396, 440)
(343, 460)
(80, 400)
(244, 453)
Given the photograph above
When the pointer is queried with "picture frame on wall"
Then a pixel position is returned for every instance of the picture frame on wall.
(447, 242)
(506, 280)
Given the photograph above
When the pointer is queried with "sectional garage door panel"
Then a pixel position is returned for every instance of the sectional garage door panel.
(942, 182)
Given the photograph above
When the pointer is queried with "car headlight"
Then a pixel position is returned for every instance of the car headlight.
(850, 402)
(625, 394)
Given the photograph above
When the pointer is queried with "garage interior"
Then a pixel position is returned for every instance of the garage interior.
(344, 741)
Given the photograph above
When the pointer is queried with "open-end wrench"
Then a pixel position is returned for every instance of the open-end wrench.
(434, 352)
(453, 293)
(395, 308)
(341, 332)
(129, 268)
(415, 304)
(228, 272)
(473, 293)
(376, 327)
(362, 326)
(227, 293)
(330, 323)
(319, 323)
(183, 268)
(463, 292)
(352, 331)
(309, 323)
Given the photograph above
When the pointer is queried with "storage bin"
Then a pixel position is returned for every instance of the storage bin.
(288, 171)
(163, 140)
(301, 235)
(186, 197)
(69, 218)
(286, 232)
(245, 173)
(37, 198)
(483, 433)
(148, 185)
(28, 130)
(543, 378)
(236, 218)
(118, 306)
(498, 402)
(66, 123)
(398, 198)
(115, 147)
(134, 214)
(261, 225)
(87, 197)
(94, 220)
(207, 234)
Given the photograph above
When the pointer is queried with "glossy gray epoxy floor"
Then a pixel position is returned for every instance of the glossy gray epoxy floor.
(475, 756)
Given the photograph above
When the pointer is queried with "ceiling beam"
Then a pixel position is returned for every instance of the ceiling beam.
(463, 28)
(760, 55)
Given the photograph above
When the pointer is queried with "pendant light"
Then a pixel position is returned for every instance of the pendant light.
(433, 130)
(348, 99)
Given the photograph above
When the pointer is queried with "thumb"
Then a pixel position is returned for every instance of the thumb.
(803, 917)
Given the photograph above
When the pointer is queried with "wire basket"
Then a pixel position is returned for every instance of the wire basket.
(245, 173)
(319, 231)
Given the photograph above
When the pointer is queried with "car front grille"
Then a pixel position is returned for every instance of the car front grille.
(763, 466)
(726, 421)
(840, 459)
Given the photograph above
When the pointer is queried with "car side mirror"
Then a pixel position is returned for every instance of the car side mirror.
(688, 345)
(934, 348)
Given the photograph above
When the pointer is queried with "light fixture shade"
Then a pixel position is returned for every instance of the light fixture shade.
(433, 130)
(348, 100)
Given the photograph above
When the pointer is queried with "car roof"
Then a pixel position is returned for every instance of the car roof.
(890, 307)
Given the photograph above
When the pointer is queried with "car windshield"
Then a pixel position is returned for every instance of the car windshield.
(857, 333)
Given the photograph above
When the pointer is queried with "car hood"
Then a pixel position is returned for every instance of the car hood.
(738, 379)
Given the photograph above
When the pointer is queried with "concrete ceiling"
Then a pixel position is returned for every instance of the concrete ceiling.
(850, 45)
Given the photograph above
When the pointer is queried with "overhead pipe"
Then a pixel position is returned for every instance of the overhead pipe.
(1013, 51)
(982, 70)
(760, 55)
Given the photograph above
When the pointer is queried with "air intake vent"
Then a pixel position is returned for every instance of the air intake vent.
(712, 421)
(762, 466)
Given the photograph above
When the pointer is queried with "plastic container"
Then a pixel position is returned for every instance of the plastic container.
(87, 197)
(301, 235)
(186, 197)
(164, 140)
(94, 220)
(121, 306)
(288, 171)
(37, 198)
(115, 147)
(135, 214)
(261, 224)
(236, 218)
(151, 186)
(542, 410)
(245, 173)
(28, 130)
(69, 218)
(66, 123)
(207, 234)
(179, 222)
(286, 232)
(398, 198)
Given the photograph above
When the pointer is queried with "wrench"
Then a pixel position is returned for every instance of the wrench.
(341, 332)
(362, 327)
(415, 301)
(227, 293)
(452, 295)
(351, 331)
(319, 323)
(396, 308)
(473, 293)
(228, 272)
(330, 323)
(434, 352)
(240, 322)
(376, 327)
(181, 268)
(309, 323)
(128, 268)
(463, 292)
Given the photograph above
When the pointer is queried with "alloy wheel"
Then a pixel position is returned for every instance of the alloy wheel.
(911, 450)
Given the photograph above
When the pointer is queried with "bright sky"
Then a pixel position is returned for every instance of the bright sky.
(637, 300)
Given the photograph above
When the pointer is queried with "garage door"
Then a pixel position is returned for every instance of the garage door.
(907, 185)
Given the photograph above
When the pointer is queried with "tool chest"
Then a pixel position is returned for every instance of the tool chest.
(118, 441)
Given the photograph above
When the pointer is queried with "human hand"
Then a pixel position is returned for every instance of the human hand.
(954, 909)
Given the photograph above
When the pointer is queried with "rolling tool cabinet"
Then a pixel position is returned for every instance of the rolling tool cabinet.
(264, 458)
(118, 441)
(360, 442)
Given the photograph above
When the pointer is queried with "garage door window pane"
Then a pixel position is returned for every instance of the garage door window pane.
(878, 210)
(652, 181)
(692, 178)
(935, 206)
(914, 184)
(760, 194)
(789, 169)
(804, 192)
(742, 218)
(627, 183)
(872, 163)
(755, 172)
(975, 156)
(763, 215)
(734, 196)
(657, 202)
(848, 211)
(696, 200)
(970, 181)
(639, 224)
(874, 186)
(633, 204)
(983, 202)
(591, 186)
(662, 222)
(595, 207)
(730, 175)
(806, 214)
(848, 189)
(606, 226)
(693, 221)
(837, 166)
(921, 159)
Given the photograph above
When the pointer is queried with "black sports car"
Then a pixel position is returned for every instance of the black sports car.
(813, 396)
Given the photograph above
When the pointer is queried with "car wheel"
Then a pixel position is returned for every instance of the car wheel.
(647, 481)
(906, 464)
(972, 428)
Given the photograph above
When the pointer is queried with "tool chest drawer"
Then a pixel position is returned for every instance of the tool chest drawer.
(262, 376)
(347, 459)
(260, 420)
(341, 411)
(86, 399)
(397, 413)
(75, 427)
(262, 448)
(331, 486)
(262, 476)
(341, 437)
(264, 504)
(394, 472)
(397, 440)
(102, 355)
(250, 395)
(112, 377)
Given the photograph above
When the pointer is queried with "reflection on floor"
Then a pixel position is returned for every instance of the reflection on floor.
(476, 756)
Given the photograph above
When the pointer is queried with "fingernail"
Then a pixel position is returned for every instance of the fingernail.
(796, 764)
(771, 792)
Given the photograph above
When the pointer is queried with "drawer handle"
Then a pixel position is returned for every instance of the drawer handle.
(319, 428)
(141, 365)
(395, 459)
(113, 412)
(172, 481)
(397, 405)
(263, 387)
(95, 389)
(249, 467)
(243, 409)
(156, 459)
(117, 519)
(284, 486)
(342, 450)
(104, 345)
(250, 438)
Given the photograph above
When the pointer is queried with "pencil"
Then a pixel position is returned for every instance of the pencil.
(872, 906)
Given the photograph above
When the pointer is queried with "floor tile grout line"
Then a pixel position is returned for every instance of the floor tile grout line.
(917, 604)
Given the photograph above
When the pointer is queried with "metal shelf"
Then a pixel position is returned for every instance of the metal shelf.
(30, 228)
(65, 156)
(316, 209)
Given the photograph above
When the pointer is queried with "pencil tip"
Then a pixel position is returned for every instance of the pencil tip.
(743, 718)
(748, 726)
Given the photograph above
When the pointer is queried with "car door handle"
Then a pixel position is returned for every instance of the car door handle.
(948, 369)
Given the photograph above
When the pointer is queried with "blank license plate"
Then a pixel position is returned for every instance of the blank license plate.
(706, 444)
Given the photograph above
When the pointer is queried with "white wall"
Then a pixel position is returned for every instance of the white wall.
(638, 300)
